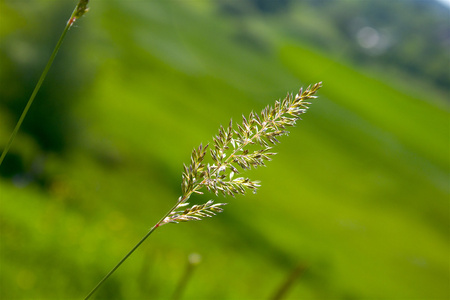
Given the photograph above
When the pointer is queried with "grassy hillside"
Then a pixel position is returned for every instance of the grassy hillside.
(358, 194)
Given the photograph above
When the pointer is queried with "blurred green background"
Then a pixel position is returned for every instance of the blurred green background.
(358, 195)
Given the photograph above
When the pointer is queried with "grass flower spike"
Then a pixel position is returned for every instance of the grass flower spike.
(238, 149)
(234, 150)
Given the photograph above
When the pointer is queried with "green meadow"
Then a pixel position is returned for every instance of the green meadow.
(358, 194)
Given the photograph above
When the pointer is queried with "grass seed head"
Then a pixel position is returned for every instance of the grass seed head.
(234, 151)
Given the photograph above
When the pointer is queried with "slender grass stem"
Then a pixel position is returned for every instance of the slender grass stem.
(288, 282)
(193, 260)
(121, 261)
(134, 248)
(80, 9)
(35, 91)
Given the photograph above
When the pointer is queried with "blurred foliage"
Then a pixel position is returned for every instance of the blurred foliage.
(358, 194)
(413, 35)
(408, 35)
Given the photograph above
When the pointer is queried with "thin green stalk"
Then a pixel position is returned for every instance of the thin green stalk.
(33, 95)
(121, 261)
(193, 260)
(134, 248)
(289, 281)
(80, 9)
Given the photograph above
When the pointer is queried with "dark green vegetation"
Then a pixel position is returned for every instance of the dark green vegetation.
(358, 193)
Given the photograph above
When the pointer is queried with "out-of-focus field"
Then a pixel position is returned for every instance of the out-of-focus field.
(358, 194)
